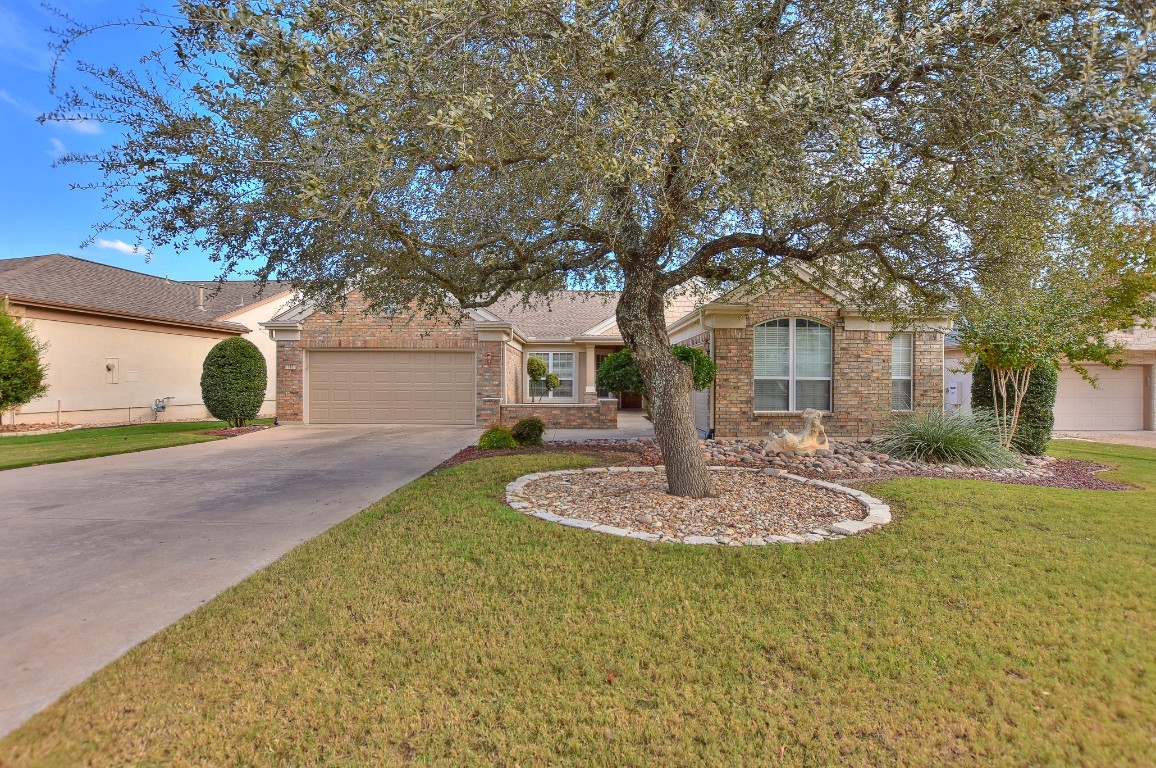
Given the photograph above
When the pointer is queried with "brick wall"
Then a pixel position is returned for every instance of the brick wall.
(513, 374)
(602, 415)
(349, 327)
(861, 386)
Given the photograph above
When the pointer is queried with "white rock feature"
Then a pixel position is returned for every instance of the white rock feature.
(808, 440)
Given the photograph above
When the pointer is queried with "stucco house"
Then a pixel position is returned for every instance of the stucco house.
(119, 340)
(799, 346)
(1122, 400)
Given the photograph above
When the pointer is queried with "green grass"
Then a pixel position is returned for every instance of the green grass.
(26, 451)
(987, 625)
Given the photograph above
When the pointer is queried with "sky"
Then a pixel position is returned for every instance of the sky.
(39, 212)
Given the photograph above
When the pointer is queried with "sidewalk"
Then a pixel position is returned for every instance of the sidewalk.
(631, 425)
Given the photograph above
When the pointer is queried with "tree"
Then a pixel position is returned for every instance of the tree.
(537, 371)
(1053, 295)
(444, 155)
(619, 373)
(1036, 417)
(233, 381)
(21, 371)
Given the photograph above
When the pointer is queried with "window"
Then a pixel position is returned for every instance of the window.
(793, 363)
(902, 358)
(561, 364)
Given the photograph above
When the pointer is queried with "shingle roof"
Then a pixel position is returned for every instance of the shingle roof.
(560, 316)
(73, 282)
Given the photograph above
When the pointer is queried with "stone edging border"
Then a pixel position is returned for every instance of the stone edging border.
(878, 513)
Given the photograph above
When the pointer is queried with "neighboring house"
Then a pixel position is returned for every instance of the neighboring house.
(777, 354)
(120, 340)
(1122, 400)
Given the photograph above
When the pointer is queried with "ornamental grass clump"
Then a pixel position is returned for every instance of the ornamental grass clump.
(497, 438)
(949, 437)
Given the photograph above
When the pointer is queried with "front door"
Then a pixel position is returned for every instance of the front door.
(629, 401)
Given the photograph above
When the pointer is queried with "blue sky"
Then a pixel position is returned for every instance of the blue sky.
(38, 212)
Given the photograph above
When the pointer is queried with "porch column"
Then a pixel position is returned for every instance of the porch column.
(591, 393)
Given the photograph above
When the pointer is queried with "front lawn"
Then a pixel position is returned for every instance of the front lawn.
(28, 450)
(987, 625)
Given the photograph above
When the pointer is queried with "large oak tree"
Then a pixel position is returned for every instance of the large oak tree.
(445, 153)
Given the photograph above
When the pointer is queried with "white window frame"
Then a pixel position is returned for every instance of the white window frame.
(573, 378)
(791, 377)
(910, 377)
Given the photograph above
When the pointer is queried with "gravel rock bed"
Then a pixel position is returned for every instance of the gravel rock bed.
(854, 460)
(747, 505)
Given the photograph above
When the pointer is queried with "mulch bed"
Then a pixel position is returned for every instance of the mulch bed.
(235, 431)
(18, 428)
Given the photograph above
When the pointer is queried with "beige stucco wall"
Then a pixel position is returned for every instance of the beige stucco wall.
(149, 363)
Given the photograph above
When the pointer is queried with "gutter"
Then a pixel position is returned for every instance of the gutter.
(101, 311)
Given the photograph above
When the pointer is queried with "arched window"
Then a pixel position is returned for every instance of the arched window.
(793, 363)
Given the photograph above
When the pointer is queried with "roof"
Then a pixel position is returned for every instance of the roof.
(67, 281)
(560, 315)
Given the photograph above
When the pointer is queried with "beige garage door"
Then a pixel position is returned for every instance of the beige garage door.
(1117, 403)
(391, 387)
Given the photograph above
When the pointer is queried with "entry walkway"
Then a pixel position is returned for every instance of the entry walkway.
(631, 425)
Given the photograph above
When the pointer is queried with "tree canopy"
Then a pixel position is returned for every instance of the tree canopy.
(443, 154)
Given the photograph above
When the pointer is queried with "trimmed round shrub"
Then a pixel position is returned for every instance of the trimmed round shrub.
(1034, 428)
(496, 439)
(233, 381)
(529, 431)
(948, 437)
(618, 373)
(21, 371)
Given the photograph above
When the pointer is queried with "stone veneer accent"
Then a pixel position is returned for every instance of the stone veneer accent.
(878, 513)
(349, 327)
(600, 415)
(861, 386)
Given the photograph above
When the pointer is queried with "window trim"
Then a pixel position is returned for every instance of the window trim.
(550, 396)
(910, 377)
(791, 379)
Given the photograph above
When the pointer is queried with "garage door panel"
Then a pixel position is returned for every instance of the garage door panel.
(1116, 404)
(391, 387)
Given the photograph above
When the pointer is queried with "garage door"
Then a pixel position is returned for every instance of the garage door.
(391, 387)
(700, 401)
(1117, 403)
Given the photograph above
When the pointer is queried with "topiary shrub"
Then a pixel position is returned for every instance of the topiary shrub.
(529, 431)
(1034, 429)
(497, 438)
(951, 437)
(21, 370)
(233, 381)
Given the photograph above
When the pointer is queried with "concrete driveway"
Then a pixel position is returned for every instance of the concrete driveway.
(97, 555)
(1143, 439)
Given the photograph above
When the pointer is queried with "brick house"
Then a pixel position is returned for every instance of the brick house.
(777, 354)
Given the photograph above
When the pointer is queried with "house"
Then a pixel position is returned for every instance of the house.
(118, 341)
(1122, 400)
(778, 353)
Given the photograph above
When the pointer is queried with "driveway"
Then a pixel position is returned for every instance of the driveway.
(97, 555)
(1143, 439)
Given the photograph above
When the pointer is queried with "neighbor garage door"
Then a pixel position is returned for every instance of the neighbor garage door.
(391, 387)
(1117, 403)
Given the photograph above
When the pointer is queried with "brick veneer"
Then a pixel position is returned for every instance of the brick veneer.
(349, 327)
(861, 397)
(600, 415)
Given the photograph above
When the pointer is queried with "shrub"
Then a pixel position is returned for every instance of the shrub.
(618, 373)
(233, 381)
(497, 438)
(529, 431)
(21, 371)
(951, 437)
(1034, 428)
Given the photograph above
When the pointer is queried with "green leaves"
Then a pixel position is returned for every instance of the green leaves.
(22, 373)
(619, 373)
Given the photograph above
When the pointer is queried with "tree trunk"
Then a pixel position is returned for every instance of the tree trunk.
(642, 322)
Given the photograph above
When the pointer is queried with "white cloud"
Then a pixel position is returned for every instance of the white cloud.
(80, 125)
(122, 247)
(58, 149)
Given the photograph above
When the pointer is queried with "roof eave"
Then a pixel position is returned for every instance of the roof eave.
(31, 301)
